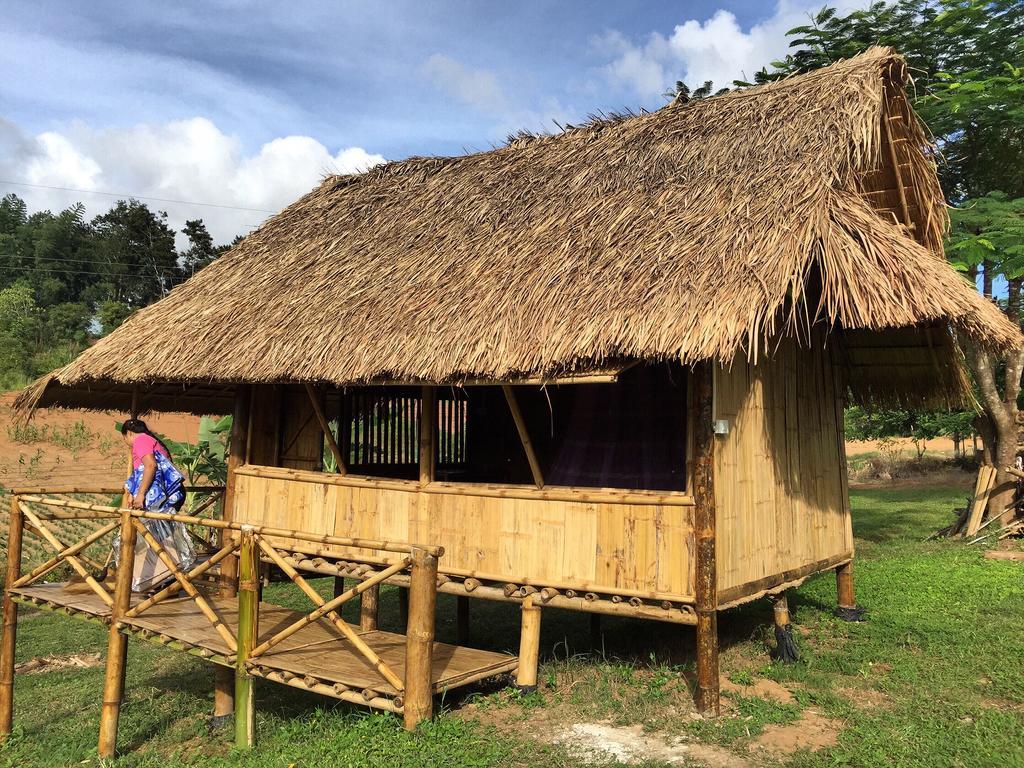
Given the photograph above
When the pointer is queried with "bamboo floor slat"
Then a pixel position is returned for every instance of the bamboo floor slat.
(318, 650)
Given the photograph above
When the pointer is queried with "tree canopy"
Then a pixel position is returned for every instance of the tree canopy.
(65, 280)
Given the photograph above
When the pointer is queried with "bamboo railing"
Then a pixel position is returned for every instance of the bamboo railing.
(252, 654)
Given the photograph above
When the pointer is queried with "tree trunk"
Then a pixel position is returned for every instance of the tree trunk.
(984, 429)
(998, 427)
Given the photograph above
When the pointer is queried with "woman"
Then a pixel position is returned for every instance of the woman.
(154, 485)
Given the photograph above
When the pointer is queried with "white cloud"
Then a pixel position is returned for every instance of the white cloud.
(187, 160)
(477, 88)
(716, 49)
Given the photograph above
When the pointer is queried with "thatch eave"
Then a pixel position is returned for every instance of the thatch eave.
(696, 232)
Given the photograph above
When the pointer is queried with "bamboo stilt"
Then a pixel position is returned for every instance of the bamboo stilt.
(785, 645)
(339, 585)
(223, 679)
(461, 620)
(117, 641)
(706, 582)
(248, 610)
(529, 646)
(369, 609)
(10, 619)
(419, 644)
(844, 586)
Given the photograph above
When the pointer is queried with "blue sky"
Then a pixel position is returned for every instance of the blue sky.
(249, 104)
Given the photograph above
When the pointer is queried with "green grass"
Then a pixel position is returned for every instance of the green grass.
(933, 678)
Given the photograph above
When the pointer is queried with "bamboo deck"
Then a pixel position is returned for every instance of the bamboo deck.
(317, 651)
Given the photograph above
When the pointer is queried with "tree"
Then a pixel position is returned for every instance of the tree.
(136, 250)
(967, 62)
(919, 426)
(201, 250)
(84, 278)
(17, 325)
(111, 314)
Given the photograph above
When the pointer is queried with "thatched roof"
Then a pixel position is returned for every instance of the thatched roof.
(698, 231)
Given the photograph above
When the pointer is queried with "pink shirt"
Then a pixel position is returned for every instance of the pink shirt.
(145, 445)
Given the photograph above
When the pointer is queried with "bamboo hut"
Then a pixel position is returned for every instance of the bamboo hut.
(601, 371)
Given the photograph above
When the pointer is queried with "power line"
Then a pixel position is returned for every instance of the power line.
(123, 195)
(142, 272)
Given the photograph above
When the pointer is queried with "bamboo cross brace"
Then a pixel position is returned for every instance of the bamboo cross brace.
(173, 589)
(524, 435)
(339, 460)
(74, 549)
(200, 601)
(71, 559)
(330, 605)
(342, 626)
(205, 504)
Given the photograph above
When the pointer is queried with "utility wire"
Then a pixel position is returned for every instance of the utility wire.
(124, 195)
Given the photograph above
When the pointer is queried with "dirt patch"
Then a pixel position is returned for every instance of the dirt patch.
(51, 663)
(812, 731)
(865, 698)
(630, 745)
(942, 445)
(764, 688)
(64, 448)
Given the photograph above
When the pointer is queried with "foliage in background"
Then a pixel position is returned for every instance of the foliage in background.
(919, 426)
(205, 461)
(64, 281)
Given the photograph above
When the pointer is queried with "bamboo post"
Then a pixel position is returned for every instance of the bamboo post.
(706, 582)
(461, 620)
(369, 608)
(223, 679)
(785, 646)
(339, 585)
(248, 617)
(117, 641)
(524, 435)
(844, 586)
(10, 619)
(529, 646)
(419, 644)
(428, 433)
(847, 608)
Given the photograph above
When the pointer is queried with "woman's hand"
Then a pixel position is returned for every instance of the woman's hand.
(138, 501)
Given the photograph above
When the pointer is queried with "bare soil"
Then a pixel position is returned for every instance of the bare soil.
(940, 445)
(104, 462)
(630, 745)
(812, 731)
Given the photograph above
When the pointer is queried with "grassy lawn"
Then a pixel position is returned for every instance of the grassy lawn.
(934, 678)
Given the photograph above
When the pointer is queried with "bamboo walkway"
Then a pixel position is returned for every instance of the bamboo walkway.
(318, 652)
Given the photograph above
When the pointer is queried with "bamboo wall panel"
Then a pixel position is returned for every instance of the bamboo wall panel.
(635, 547)
(302, 441)
(265, 424)
(780, 490)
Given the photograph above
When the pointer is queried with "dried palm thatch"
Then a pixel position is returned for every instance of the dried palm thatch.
(699, 231)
